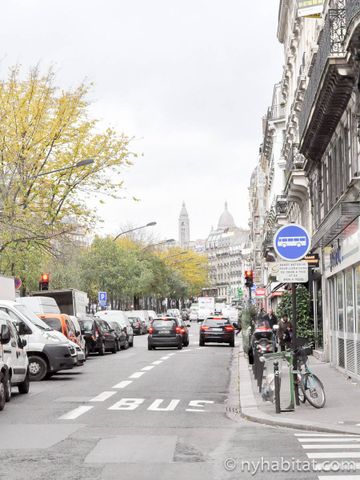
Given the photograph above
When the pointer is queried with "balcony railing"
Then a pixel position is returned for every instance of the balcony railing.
(331, 45)
(277, 112)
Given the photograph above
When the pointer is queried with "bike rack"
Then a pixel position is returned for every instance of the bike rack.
(288, 357)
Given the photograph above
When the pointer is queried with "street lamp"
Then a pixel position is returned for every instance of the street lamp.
(164, 242)
(82, 163)
(151, 224)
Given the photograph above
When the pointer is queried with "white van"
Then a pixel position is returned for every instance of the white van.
(14, 356)
(47, 352)
(40, 305)
(142, 314)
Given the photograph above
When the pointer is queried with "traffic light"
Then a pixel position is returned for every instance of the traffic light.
(44, 281)
(249, 278)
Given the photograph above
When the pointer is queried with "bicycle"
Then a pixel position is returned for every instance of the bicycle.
(309, 386)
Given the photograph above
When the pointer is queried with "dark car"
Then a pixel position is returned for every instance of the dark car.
(183, 329)
(99, 336)
(120, 334)
(217, 329)
(165, 332)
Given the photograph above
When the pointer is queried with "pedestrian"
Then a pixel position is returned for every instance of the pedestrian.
(284, 333)
(272, 318)
(238, 327)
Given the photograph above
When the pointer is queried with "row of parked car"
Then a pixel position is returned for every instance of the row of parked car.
(37, 340)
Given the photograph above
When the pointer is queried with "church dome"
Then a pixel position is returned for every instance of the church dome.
(226, 220)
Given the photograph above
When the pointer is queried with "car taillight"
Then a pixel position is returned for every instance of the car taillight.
(150, 330)
(178, 330)
(182, 330)
(204, 327)
(229, 328)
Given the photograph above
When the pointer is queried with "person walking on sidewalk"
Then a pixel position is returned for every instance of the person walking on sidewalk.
(284, 333)
(272, 318)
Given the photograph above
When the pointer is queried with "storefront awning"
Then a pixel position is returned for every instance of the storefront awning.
(335, 222)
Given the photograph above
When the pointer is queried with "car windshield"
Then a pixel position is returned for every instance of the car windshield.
(216, 322)
(166, 323)
(32, 317)
(54, 323)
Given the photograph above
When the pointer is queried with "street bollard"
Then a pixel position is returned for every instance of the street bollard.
(277, 387)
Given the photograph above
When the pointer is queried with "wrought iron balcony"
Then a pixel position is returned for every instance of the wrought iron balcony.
(322, 109)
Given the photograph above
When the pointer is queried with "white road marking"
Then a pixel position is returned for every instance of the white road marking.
(334, 455)
(164, 358)
(102, 397)
(198, 405)
(328, 440)
(171, 354)
(331, 446)
(137, 375)
(155, 406)
(76, 413)
(149, 367)
(127, 404)
(324, 435)
(157, 362)
(123, 384)
(341, 477)
(195, 410)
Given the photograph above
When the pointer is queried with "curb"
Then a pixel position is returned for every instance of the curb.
(241, 394)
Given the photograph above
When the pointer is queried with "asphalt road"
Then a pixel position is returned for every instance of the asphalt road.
(143, 415)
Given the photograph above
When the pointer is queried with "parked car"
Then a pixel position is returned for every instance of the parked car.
(78, 334)
(217, 329)
(47, 353)
(165, 332)
(99, 336)
(14, 356)
(120, 317)
(121, 336)
(3, 381)
(138, 325)
(142, 314)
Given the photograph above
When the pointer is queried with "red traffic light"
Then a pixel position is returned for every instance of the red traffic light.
(44, 281)
(249, 274)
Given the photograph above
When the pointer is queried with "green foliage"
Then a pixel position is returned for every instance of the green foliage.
(305, 324)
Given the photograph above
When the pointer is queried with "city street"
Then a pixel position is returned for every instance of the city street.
(141, 414)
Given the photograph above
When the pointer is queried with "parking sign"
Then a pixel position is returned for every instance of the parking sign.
(292, 242)
(102, 297)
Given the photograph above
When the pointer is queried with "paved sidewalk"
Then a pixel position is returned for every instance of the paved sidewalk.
(341, 413)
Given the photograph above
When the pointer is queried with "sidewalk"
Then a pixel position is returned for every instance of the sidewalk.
(341, 413)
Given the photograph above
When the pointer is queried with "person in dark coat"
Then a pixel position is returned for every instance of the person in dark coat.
(272, 318)
(284, 333)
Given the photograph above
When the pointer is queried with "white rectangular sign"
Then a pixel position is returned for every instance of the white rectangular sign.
(289, 272)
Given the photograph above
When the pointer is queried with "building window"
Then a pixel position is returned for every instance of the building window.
(349, 300)
(340, 303)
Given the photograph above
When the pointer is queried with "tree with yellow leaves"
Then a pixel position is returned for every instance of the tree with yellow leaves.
(43, 128)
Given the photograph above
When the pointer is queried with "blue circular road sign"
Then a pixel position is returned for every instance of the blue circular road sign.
(292, 242)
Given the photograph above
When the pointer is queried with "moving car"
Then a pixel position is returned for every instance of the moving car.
(46, 352)
(139, 326)
(165, 332)
(99, 336)
(217, 329)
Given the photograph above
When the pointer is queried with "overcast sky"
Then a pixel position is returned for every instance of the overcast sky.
(190, 79)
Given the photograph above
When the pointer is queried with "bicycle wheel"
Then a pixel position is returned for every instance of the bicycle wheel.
(314, 391)
(301, 388)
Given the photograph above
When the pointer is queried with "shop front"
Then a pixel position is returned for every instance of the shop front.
(342, 273)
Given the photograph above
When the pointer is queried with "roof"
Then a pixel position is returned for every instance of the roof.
(226, 220)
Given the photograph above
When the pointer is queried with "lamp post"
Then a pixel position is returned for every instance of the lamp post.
(164, 242)
(82, 163)
(151, 224)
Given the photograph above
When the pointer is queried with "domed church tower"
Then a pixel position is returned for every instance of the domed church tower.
(184, 227)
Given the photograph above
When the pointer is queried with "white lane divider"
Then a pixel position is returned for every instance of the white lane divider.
(76, 413)
(137, 375)
(165, 358)
(123, 384)
(102, 397)
(157, 362)
(149, 367)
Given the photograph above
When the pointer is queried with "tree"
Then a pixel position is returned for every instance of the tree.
(304, 322)
(42, 129)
